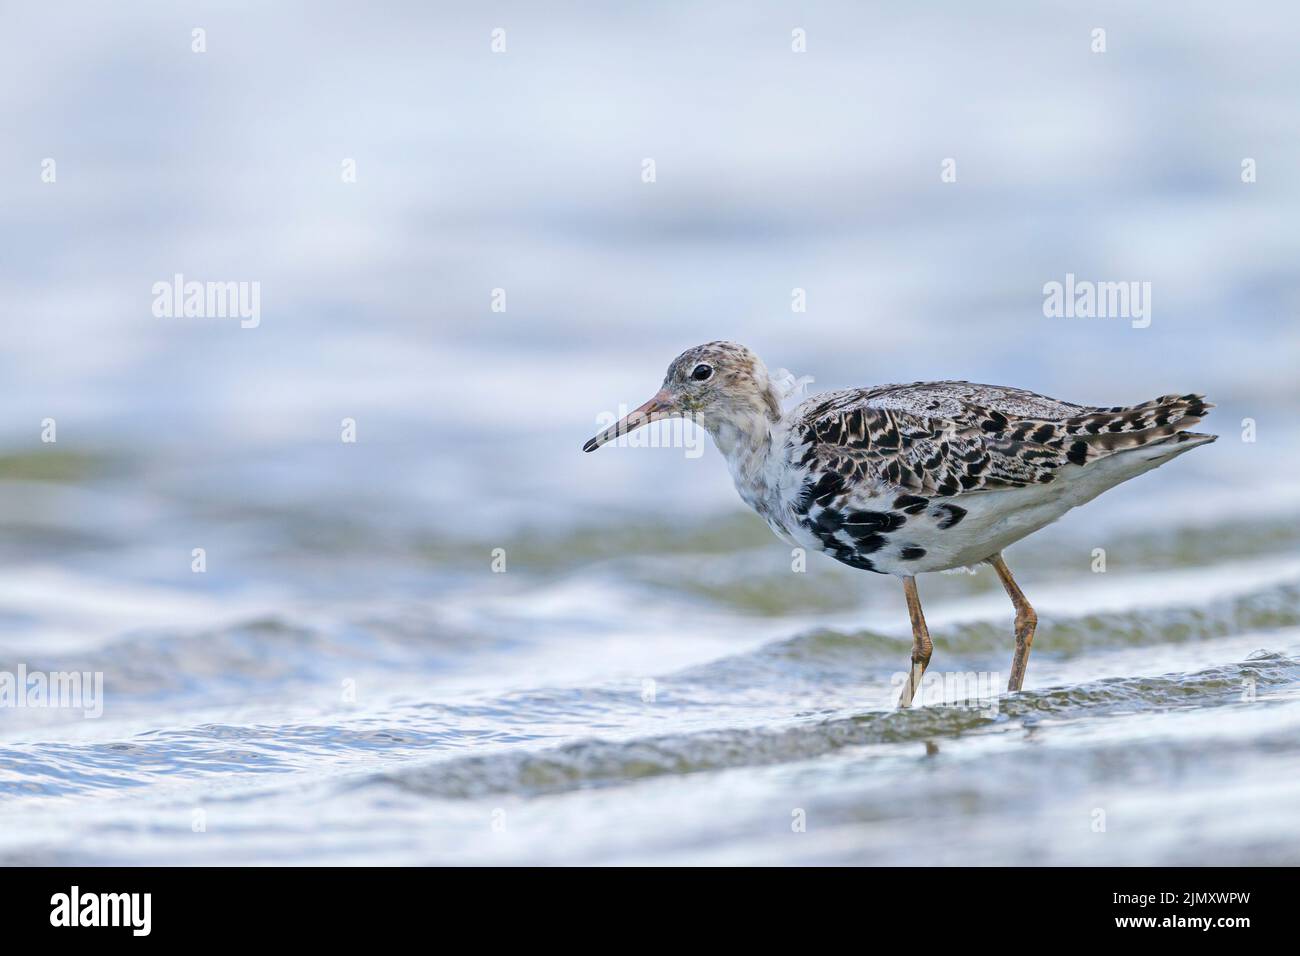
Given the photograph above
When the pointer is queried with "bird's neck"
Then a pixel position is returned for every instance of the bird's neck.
(746, 441)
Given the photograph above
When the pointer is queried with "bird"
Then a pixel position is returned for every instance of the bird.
(909, 479)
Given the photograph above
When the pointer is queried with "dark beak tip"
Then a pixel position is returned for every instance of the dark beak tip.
(591, 445)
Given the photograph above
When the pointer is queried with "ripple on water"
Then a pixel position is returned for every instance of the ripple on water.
(589, 763)
(835, 656)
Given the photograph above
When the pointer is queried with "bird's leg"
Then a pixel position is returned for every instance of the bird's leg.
(1026, 622)
(921, 646)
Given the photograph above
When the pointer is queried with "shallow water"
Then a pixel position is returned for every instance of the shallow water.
(649, 680)
(666, 692)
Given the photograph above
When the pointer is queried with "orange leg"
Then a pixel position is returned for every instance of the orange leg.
(1026, 622)
(921, 646)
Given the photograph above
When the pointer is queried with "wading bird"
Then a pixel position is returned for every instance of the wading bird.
(904, 479)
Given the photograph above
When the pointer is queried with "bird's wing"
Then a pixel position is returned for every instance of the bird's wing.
(952, 438)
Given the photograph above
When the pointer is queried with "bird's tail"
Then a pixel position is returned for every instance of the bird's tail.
(1160, 422)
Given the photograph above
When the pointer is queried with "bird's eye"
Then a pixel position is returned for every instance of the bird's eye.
(702, 373)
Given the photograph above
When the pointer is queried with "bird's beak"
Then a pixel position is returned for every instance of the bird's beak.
(661, 406)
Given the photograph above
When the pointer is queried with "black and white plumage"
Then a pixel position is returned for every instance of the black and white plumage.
(904, 479)
(937, 475)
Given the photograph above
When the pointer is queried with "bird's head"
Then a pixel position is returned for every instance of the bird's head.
(717, 385)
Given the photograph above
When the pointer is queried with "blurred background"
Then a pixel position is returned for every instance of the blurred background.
(350, 681)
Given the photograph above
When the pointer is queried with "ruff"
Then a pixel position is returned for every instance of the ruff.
(906, 479)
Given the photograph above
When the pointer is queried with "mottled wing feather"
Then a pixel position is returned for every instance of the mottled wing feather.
(952, 438)
(959, 401)
(883, 470)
